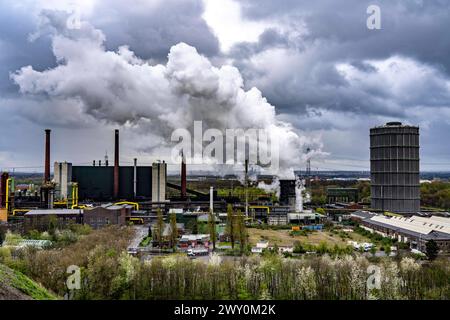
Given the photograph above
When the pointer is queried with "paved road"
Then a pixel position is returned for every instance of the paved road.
(140, 233)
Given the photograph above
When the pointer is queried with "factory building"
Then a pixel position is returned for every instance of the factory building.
(287, 192)
(107, 214)
(97, 183)
(394, 168)
(60, 218)
(101, 182)
(415, 230)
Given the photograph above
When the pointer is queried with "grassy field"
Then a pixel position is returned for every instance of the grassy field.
(15, 285)
(283, 238)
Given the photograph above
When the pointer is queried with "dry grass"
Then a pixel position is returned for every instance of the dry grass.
(283, 238)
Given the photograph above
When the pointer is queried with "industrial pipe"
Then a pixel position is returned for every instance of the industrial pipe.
(183, 176)
(135, 178)
(211, 199)
(116, 164)
(47, 156)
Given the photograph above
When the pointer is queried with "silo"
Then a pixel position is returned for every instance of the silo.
(394, 168)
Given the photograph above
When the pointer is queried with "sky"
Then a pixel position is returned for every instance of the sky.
(311, 72)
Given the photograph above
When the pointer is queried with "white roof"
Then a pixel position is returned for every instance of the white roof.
(415, 223)
(54, 212)
(194, 237)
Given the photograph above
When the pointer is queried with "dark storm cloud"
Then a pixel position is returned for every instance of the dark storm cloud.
(16, 23)
(334, 33)
(151, 29)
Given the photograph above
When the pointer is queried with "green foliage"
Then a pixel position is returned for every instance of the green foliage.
(241, 231)
(432, 250)
(212, 228)
(12, 239)
(321, 211)
(230, 229)
(192, 225)
(159, 227)
(145, 242)
(173, 231)
(24, 284)
(435, 194)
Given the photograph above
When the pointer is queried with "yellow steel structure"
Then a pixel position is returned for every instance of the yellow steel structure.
(75, 196)
(137, 220)
(135, 204)
(20, 210)
(391, 214)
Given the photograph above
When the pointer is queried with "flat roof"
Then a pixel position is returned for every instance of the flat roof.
(54, 212)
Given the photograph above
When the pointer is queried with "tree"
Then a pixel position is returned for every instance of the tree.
(159, 227)
(52, 225)
(241, 230)
(173, 230)
(192, 225)
(2, 234)
(230, 227)
(212, 229)
(432, 249)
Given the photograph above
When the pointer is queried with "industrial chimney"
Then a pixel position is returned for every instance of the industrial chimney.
(183, 176)
(116, 164)
(47, 156)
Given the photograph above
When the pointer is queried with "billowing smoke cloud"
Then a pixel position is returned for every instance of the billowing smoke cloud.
(121, 88)
(274, 186)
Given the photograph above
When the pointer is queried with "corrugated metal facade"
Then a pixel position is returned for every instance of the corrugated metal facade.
(96, 183)
(394, 168)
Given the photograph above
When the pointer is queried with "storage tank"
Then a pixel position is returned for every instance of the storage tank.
(394, 168)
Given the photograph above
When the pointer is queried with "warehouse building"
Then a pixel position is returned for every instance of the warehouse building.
(343, 195)
(108, 214)
(415, 230)
(42, 220)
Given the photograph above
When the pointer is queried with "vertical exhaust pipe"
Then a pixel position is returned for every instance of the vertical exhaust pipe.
(183, 176)
(47, 156)
(116, 164)
(211, 199)
(135, 178)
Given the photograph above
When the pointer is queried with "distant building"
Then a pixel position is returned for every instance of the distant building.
(193, 240)
(41, 220)
(394, 168)
(105, 215)
(344, 195)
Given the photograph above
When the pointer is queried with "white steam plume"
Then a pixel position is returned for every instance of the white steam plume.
(274, 186)
(154, 99)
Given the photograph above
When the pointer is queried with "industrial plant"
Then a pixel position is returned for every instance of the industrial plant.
(102, 194)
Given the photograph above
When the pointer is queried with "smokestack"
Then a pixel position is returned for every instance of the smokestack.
(47, 156)
(211, 199)
(135, 178)
(183, 176)
(3, 181)
(116, 163)
(246, 187)
(93, 163)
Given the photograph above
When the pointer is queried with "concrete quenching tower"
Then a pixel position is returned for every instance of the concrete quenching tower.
(394, 168)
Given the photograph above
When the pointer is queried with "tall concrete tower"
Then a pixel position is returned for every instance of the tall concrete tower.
(394, 168)
(159, 180)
